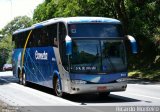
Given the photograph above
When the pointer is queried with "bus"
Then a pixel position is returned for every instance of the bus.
(73, 55)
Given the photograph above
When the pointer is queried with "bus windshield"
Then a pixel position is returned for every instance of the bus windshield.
(98, 56)
(95, 30)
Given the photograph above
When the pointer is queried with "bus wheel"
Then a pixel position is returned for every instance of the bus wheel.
(20, 79)
(56, 87)
(24, 79)
(104, 94)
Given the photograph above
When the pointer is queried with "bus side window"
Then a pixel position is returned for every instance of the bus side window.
(31, 42)
(62, 33)
(40, 38)
(35, 39)
(52, 35)
(24, 40)
(16, 42)
(43, 38)
(62, 44)
(19, 41)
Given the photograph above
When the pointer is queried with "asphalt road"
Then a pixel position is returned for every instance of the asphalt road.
(40, 99)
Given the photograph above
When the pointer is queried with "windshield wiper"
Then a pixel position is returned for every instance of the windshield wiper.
(111, 64)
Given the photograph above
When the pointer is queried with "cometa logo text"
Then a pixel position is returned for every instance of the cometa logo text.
(41, 56)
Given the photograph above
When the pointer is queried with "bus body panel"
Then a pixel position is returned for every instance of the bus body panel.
(39, 69)
(39, 64)
(16, 61)
(64, 75)
(95, 88)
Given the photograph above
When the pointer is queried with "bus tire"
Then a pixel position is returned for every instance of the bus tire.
(104, 94)
(24, 79)
(56, 87)
(20, 77)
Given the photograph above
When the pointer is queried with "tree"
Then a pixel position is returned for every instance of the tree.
(44, 11)
(6, 41)
(140, 18)
(143, 22)
(5, 50)
(19, 22)
(65, 8)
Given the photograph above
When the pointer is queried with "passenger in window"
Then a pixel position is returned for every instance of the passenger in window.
(55, 42)
(43, 39)
(39, 43)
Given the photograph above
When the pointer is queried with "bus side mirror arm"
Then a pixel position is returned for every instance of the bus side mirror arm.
(133, 44)
(68, 42)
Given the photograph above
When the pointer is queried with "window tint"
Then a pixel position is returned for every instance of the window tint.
(20, 40)
(62, 44)
(46, 36)
(95, 30)
(52, 35)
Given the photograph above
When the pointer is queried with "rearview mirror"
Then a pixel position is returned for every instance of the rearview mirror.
(68, 41)
(133, 43)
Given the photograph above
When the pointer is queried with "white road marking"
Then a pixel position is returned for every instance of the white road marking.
(8, 73)
(152, 85)
(144, 96)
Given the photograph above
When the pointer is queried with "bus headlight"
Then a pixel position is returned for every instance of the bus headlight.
(78, 82)
(122, 80)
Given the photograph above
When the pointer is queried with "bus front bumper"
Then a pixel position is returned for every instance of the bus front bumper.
(94, 88)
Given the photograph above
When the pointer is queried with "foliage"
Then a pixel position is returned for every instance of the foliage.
(144, 19)
(140, 18)
(19, 22)
(145, 74)
(64, 8)
(6, 39)
(5, 50)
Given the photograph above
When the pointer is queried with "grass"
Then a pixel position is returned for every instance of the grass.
(153, 75)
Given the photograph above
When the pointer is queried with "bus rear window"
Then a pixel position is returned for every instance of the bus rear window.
(95, 30)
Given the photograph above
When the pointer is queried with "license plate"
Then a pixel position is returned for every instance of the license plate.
(102, 88)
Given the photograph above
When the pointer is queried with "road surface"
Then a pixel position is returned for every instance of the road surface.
(138, 93)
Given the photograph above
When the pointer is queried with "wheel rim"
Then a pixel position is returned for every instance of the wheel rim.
(58, 88)
(20, 79)
(24, 79)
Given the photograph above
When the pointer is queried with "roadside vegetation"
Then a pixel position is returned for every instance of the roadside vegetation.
(6, 45)
(140, 18)
(152, 75)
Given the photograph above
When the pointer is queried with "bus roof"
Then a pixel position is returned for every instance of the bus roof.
(70, 20)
